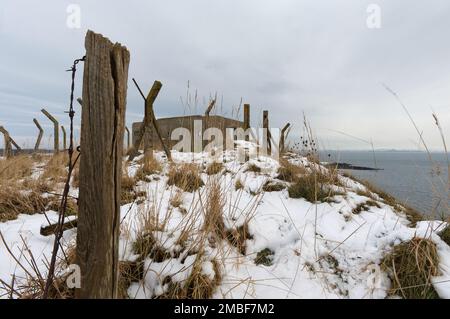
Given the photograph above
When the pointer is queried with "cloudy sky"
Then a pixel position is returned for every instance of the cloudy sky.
(287, 56)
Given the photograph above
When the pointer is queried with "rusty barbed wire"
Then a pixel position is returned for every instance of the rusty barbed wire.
(65, 195)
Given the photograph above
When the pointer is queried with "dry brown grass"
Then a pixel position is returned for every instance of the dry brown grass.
(196, 286)
(288, 171)
(176, 200)
(314, 186)
(146, 245)
(129, 272)
(149, 166)
(238, 184)
(76, 176)
(253, 168)
(445, 235)
(15, 168)
(365, 206)
(264, 257)
(185, 176)
(128, 191)
(272, 186)
(213, 213)
(214, 168)
(411, 265)
(238, 237)
(20, 193)
(56, 168)
(14, 202)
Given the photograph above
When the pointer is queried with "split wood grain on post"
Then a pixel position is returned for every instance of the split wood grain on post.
(102, 131)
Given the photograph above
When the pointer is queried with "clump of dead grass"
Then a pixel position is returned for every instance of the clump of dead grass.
(214, 168)
(14, 201)
(253, 168)
(146, 245)
(185, 176)
(176, 200)
(288, 171)
(411, 265)
(128, 192)
(271, 186)
(314, 186)
(264, 257)
(238, 184)
(238, 237)
(213, 212)
(365, 206)
(197, 286)
(149, 166)
(445, 235)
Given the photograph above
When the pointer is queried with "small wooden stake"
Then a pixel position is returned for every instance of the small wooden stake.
(55, 130)
(7, 151)
(246, 118)
(8, 141)
(128, 138)
(210, 106)
(39, 138)
(64, 137)
(283, 137)
(267, 131)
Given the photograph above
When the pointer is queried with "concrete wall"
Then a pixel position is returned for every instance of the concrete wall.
(167, 125)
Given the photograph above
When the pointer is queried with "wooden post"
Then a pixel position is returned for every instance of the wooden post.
(210, 106)
(102, 128)
(246, 127)
(41, 132)
(246, 119)
(267, 131)
(8, 141)
(55, 130)
(148, 134)
(128, 138)
(149, 121)
(283, 137)
(64, 137)
(7, 151)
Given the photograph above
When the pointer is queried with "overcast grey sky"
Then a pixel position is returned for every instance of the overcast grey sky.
(287, 56)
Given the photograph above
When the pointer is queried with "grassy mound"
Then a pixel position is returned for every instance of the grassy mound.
(411, 266)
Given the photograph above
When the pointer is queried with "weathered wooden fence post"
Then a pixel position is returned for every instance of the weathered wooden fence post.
(64, 137)
(246, 128)
(266, 133)
(41, 132)
(8, 141)
(283, 137)
(210, 106)
(149, 122)
(102, 128)
(128, 138)
(55, 130)
(246, 119)
(7, 151)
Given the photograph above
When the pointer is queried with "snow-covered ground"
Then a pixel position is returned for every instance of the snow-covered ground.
(320, 250)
